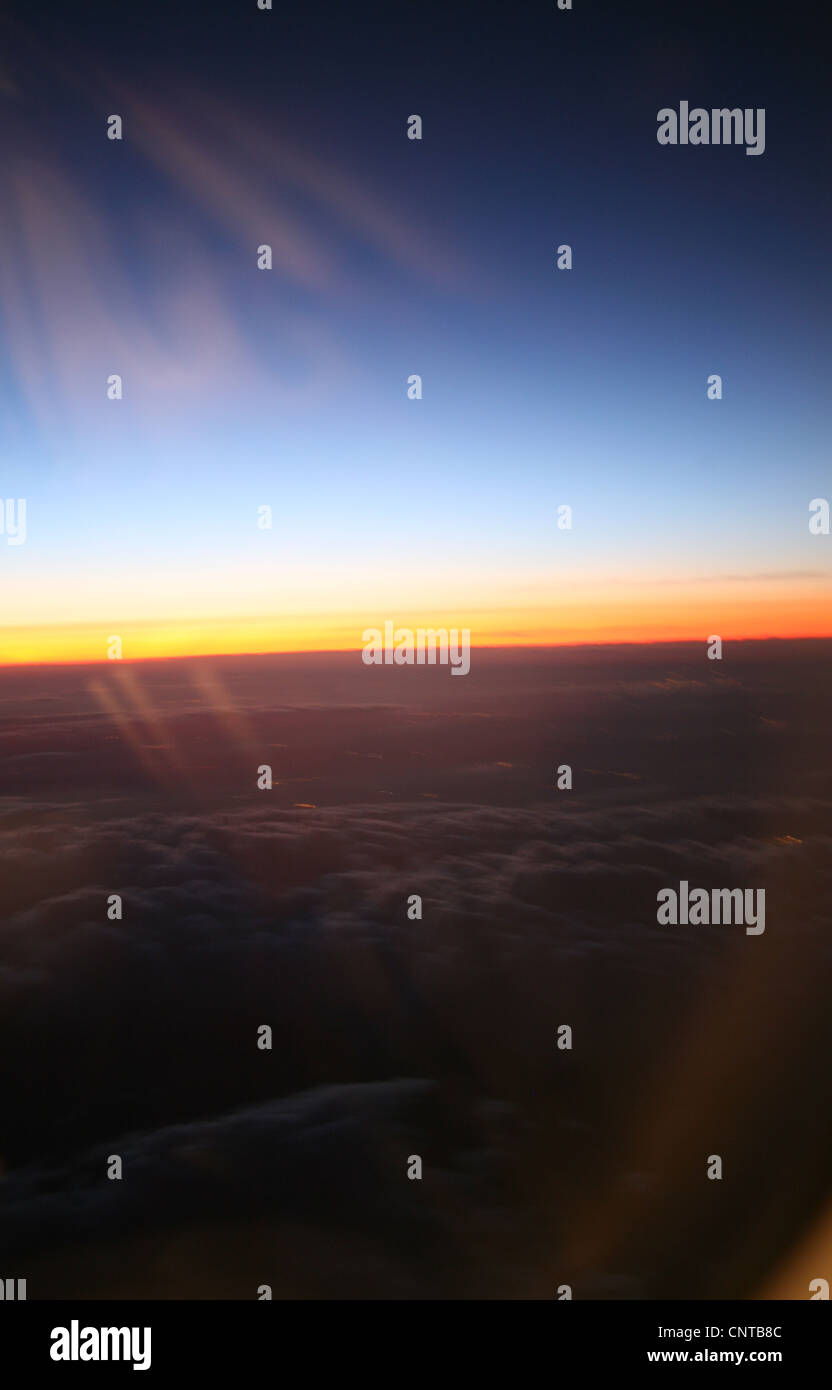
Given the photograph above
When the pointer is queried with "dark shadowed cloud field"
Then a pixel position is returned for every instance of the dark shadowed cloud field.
(392, 1036)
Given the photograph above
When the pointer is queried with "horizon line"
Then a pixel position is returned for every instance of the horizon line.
(357, 651)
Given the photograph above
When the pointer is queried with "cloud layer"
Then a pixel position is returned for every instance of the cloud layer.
(393, 1036)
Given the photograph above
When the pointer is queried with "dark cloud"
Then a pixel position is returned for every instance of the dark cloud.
(436, 1036)
(331, 1163)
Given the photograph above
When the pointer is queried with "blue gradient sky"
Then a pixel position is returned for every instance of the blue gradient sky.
(541, 387)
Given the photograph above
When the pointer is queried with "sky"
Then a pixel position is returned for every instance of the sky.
(247, 899)
(245, 388)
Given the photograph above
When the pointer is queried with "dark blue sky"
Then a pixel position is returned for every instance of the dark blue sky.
(393, 257)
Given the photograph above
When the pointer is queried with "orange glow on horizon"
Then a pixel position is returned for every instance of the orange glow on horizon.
(576, 623)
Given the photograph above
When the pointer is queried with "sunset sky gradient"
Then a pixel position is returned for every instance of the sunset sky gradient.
(275, 922)
(244, 388)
